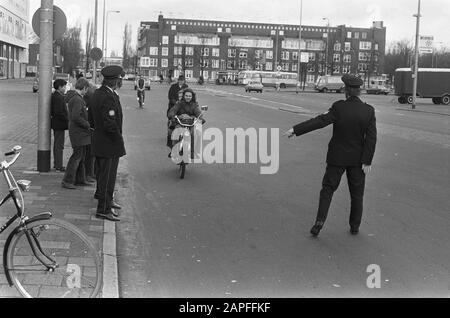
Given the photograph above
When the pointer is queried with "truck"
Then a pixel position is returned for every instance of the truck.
(378, 85)
(432, 83)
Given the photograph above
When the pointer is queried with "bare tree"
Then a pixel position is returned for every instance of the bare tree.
(127, 53)
(399, 55)
(70, 48)
(89, 42)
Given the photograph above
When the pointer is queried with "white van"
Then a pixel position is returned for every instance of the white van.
(329, 83)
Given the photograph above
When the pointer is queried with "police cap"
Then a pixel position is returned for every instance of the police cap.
(352, 81)
(113, 72)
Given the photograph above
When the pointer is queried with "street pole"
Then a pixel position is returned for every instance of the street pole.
(103, 32)
(416, 57)
(94, 65)
(299, 45)
(45, 85)
(106, 32)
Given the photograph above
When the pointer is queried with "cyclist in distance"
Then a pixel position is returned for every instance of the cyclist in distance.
(141, 91)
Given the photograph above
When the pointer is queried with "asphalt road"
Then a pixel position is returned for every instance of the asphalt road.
(228, 231)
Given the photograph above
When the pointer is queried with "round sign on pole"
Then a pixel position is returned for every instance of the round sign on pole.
(279, 68)
(96, 54)
(59, 22)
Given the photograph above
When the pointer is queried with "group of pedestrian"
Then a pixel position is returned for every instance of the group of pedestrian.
(94, 120)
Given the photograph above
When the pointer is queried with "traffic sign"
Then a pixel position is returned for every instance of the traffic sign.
(96, 54)
(59, 22)
(426, 44)
(279, 68)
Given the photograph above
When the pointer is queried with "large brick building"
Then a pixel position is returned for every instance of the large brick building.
(208, 48)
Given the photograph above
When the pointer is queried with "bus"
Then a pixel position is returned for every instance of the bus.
(268, 79)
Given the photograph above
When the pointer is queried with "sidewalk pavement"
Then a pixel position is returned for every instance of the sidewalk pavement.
(75, 206)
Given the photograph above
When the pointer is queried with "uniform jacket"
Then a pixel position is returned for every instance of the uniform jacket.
(107, 139)
(173, 93)
(79, 128)
(354, 132)
(59, 117)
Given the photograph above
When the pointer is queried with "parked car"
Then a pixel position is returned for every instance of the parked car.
(146, 80)
(254, 86)
(329, 83)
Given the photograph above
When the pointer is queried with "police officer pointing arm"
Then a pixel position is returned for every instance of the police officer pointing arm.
(351, 150)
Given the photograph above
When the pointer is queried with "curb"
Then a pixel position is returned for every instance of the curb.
(110, 288)
(423, 111)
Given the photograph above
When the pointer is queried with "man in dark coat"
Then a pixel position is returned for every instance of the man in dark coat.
(59, 122)
(108, 145)
(80, 135)
(350, 150)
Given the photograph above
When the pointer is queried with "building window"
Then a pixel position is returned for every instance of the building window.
(362, 67)
(336, 57)
(364, 35)
(165, 39)
(347, 47)
(365, 45)
(153, 62)
(215, 63)
(337, 46)
(231, 52)
(310, 78)
(164, 63)
(173, 27)
(189, 50)
(285, 55)
(205, 63)
(205, 74)
(295, 56)
(153, 50)
(294, 67)
(228, 30)
(376, 47)
(311, 68)
(177, 61)
(178, 50)
(230, 64)
(219, 30)
(189, 62)
(356, 35)
(347, 58)
(336, 69)
(345, 69)
(243, 55)
(363, 56)
(311, 56)
(269, 66)
(188, 73)
(205, 51)
(215, 52)
(269, 54)
(243, 64)
(165, 51)
(285, 66)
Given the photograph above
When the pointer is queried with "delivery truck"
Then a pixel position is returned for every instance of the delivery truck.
(432, 83)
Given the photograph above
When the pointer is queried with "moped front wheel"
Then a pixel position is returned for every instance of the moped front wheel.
(182, 170)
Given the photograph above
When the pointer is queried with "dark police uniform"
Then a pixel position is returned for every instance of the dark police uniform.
(352, 145)
(107, 141)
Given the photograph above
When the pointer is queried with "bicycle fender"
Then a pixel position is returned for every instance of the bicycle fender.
(38, 217)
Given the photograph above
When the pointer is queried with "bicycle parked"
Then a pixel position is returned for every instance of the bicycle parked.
(44, 256)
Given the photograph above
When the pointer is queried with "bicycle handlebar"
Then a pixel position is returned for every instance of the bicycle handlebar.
(6, 164)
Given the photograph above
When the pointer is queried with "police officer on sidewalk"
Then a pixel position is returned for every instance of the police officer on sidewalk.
(107, 140)
(350, 150)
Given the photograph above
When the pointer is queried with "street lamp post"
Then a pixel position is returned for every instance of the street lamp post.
(416, 57)
(106, 30)
(326, 50)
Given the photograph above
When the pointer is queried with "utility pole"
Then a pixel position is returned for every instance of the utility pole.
(416, 57)
(94, 65)
(299, 46)
(103, 33)
(45, 83)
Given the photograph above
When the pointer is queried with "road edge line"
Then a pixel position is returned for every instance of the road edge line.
(110, 288)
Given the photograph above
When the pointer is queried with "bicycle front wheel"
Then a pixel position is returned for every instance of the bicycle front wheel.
(54, 259)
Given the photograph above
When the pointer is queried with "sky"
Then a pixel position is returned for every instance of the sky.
(396, 14)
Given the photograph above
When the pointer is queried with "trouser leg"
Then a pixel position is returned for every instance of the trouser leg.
(89, 161)
(106, 180)
(72, 165)
(81, 170)
(356, 184)
(330, 183)
(58, 148)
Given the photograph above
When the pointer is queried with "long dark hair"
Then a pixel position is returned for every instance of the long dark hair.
(194, 96)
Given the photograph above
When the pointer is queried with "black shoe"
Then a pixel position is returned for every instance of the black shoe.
(108, 216)
(85, 184)
(316, 228)
(115, 205)
(68, 185)
(90, 179)
(62, 169)
(354, 230)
